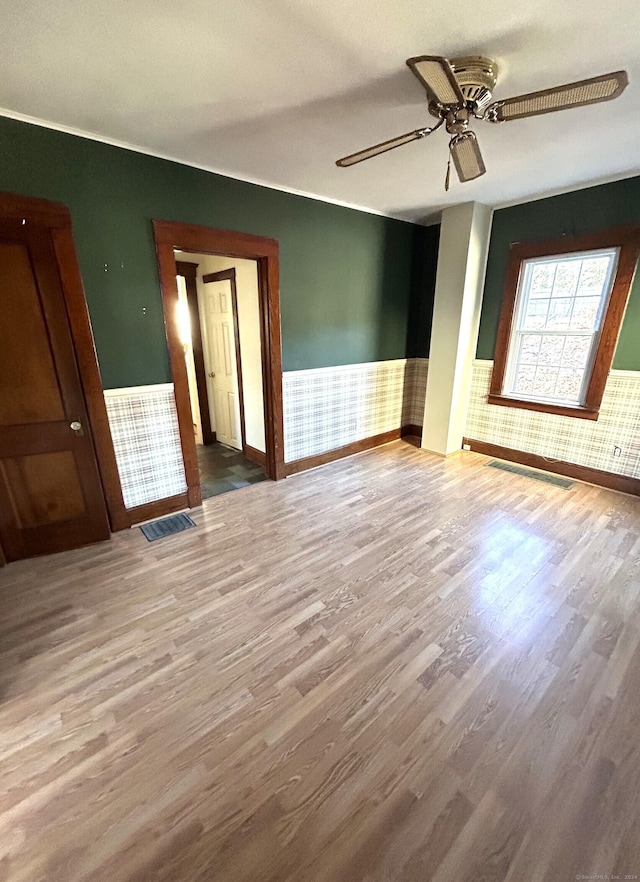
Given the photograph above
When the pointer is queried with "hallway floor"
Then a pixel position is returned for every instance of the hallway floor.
(223, 469)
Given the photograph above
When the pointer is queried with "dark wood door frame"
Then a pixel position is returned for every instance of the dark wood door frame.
(189, 272)
(170, 235)
(222, 276)
(57, 218)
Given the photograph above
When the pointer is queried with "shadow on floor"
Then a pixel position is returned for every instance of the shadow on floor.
(223, 469)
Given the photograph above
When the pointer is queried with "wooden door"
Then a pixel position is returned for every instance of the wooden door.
(51, 497)
(222, 359)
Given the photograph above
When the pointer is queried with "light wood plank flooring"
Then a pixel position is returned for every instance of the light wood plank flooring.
(391, 669)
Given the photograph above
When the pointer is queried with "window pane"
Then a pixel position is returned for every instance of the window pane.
(567, 276)
(530, 348)
(551, 350)
(585, 313)
(594, 275)
(569, 383)
(559, 314)
(536, 314)
(544, 383)
(524, 380)
(576, 351)
(542, 277)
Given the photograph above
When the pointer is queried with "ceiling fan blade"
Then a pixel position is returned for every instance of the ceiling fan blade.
(592, 91)
(361, 155)
(465, 152)
(437, 76)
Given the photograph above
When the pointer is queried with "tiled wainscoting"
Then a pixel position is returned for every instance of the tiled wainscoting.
(326, 408)
(567, 439)
(144, 426)
(323, 409)
(415, 390)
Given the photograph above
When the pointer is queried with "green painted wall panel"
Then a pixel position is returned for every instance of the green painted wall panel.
(582, 211)
(423, 289)
(348, 279)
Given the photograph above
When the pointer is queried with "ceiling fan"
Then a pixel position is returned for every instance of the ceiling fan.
(461, 89)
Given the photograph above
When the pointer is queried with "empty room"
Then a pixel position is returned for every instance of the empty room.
(319, 442)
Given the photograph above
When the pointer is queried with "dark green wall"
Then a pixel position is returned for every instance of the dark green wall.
(583, 211)
(347, 278)
(423, 289)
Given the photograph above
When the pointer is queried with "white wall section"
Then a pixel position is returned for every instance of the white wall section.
(462, 258)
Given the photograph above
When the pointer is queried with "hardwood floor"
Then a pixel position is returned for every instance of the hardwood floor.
(394, 668)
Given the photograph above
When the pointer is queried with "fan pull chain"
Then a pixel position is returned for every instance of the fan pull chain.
(448, 177)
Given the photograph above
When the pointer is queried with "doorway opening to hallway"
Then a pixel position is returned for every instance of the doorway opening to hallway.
(219, 320)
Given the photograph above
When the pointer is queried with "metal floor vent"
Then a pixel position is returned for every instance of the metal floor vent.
(545, 477)
(167, 526)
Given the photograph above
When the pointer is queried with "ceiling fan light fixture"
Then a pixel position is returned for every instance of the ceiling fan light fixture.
(466, 156)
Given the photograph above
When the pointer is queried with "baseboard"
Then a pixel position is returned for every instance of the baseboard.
(412, 431)
(311, 462)
(611, 480)
(255, 456)
(157, 509)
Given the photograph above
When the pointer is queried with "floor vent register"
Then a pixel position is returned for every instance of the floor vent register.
(167, 526)
(545, 477)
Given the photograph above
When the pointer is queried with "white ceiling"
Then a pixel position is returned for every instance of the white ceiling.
(276, 91)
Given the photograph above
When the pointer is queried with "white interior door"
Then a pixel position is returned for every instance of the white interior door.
(221, 363)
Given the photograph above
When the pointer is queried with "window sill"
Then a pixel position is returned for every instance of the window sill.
(583, 413)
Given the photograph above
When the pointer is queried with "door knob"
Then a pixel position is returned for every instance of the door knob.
(76, 425)
(211, 374)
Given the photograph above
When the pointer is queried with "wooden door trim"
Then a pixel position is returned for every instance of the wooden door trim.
(171, 235)
(222, 276)
(189, 272)
(57, 217)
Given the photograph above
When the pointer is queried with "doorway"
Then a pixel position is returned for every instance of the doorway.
(226, 245)
(219, 318)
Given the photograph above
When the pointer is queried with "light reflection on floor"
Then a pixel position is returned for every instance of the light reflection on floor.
(514, 592)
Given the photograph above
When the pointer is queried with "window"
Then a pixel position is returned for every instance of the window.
(562, 311)
(559, 310)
